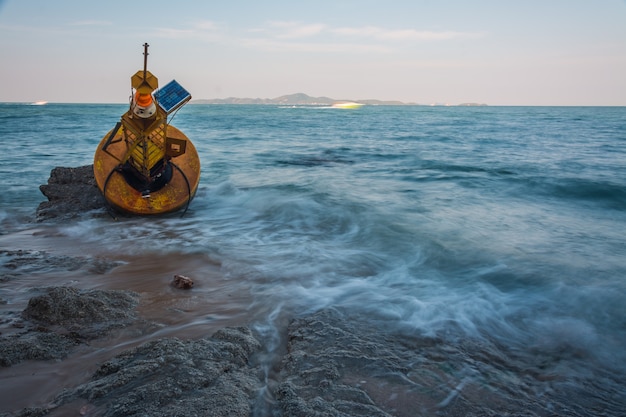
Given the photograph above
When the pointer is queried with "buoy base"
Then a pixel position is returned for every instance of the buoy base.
(174, 195)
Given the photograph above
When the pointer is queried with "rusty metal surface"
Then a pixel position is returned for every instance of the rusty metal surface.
(172, 197)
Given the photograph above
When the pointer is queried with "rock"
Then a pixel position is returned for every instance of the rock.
(85, 312)
(182, 282)
(171, 377)
(334, 364)
(70, 192)
(34, 346)
(62, 318)
(325, 357)
(348, 365)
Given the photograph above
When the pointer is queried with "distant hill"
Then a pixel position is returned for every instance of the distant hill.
(298, 99)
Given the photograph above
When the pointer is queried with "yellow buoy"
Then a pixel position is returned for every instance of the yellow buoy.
(144, 165)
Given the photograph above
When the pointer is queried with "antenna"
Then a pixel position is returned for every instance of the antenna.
(145, 59)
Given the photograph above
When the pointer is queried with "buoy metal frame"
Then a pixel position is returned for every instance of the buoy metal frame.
(144, 165)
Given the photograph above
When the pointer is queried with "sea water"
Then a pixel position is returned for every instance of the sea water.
(498, 223)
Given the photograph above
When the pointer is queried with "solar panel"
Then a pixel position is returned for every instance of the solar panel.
(172, 96)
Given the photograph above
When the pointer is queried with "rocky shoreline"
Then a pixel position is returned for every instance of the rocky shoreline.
(70, 192)
(326, 363)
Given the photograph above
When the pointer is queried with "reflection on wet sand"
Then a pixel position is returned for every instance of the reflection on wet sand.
(48, 258)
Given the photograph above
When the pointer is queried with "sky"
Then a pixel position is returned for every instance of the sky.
(496, 52)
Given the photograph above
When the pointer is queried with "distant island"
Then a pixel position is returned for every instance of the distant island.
(301, 99)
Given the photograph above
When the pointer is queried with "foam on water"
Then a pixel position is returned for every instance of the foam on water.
(305, 250)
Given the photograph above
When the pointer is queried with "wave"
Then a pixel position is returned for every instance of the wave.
(605, 193)
(327, 157)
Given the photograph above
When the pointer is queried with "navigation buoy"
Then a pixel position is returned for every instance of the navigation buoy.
(144, 165)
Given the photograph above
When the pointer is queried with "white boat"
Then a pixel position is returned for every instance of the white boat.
(39, 103)
(347, 105)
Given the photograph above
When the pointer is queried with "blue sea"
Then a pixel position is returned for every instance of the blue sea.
(505, 224)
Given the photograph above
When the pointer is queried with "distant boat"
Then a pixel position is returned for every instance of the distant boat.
(39, 103)
(347, 105)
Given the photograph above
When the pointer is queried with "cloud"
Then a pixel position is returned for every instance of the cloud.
(295, 36)
(294, 30)
(273, 45)
(321, 38)
(206, 25)
(170, 33)
(202, 29)
(382, 34)
(298, 30)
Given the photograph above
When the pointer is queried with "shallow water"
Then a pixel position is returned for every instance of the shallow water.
(503, 224)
